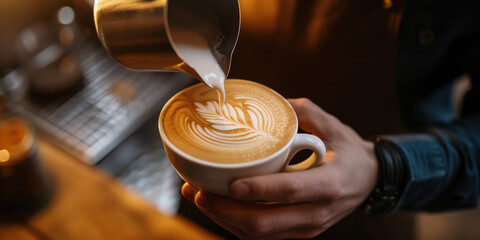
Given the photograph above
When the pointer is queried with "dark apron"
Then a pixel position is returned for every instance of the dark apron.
(342, 55)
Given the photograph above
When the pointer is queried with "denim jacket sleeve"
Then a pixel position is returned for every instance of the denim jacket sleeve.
(443, 167)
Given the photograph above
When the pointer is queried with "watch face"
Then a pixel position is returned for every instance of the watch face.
(381, 201)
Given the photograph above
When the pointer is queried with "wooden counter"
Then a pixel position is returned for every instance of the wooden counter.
(89, 204)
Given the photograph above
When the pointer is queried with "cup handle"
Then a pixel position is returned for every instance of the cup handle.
(305, 141)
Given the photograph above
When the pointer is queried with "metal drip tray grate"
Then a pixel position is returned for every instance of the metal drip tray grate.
(110, 105)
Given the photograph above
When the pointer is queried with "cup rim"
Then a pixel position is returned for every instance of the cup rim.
(184, 155)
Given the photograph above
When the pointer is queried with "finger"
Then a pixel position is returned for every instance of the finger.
(315, 184)
(229, 227)
(305, 232)
(260, 219)
(189, 192)
(301, 220)
(296, 233)
(317, 225)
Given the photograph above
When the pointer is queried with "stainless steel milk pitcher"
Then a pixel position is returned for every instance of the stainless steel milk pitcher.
(137, 33)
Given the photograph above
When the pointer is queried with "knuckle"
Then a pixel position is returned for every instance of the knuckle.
(318, 217)
(312, 233)
(258, 226)
(294, 191)
(304, 104)
(334, 192)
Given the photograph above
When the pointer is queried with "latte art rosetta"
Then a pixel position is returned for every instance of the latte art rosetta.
(256, 122)
(236, 126)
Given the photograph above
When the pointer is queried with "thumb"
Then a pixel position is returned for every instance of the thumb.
(316, 184)
(313, 119)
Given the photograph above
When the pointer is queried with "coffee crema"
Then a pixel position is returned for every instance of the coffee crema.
(256, 122)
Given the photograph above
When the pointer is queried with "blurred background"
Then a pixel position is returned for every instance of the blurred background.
(55, 73)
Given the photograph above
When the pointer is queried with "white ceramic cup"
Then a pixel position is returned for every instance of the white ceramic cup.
(217, 177)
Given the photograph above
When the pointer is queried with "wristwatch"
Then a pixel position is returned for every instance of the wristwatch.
(391, 180)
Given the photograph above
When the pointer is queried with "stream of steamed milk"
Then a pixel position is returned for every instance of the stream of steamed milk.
(196, 52)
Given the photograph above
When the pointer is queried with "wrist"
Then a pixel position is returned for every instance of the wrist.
(372, 164)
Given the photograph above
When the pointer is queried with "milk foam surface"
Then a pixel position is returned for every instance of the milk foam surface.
(256, 122)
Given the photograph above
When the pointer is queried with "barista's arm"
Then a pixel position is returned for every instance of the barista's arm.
(443, 167)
